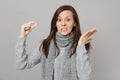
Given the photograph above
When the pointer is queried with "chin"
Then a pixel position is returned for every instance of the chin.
(64, 33)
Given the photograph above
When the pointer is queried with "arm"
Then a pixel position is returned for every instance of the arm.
(23, 59)
(82, 63)
(82, 59)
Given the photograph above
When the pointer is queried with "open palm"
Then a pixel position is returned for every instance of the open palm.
(86, 37)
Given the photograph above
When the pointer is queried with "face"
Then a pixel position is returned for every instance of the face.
(65, 22)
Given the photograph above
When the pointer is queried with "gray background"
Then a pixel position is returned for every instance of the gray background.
(103, 14)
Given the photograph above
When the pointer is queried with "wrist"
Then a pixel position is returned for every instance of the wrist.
(80, 43)
(22, 35)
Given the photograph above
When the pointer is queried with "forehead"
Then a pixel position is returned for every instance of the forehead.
(66, 13)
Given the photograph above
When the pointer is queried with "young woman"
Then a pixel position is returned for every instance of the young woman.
(63, 54)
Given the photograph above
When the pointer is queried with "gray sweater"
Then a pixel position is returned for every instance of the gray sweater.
(60, 68)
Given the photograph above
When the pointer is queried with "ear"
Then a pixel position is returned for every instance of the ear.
(74, 24)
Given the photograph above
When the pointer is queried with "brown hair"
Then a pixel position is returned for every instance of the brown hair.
(76, 31)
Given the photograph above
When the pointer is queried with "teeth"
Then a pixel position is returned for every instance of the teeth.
(64, 29)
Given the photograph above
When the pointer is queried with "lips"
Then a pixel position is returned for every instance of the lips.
(63, 29)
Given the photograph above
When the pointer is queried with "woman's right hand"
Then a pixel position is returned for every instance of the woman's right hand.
(27, 27)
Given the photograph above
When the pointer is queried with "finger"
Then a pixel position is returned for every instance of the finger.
(93, 30)
(88, 41)
(27, 28)
(90, 32)
(32, 23)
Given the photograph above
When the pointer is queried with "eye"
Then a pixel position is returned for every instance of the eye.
(68, 19)
(59, 19)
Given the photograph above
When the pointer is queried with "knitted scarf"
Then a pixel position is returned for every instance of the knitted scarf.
(62, 42)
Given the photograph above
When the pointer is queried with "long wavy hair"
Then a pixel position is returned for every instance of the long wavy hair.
(76, 32)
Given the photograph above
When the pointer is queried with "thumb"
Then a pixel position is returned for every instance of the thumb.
(33, 24)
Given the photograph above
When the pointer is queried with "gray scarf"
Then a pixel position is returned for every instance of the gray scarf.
(62, 42)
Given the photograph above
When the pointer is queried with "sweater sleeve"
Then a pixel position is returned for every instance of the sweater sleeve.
(82, 63)
(26, 60)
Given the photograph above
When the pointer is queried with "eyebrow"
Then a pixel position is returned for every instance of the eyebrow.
(66, 16)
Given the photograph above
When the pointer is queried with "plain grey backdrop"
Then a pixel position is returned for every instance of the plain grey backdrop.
(103, 14)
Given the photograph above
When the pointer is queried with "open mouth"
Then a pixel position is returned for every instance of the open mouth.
(63, 29)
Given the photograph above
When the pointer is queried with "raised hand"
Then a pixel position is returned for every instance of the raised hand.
(27, 27)
(86, 37)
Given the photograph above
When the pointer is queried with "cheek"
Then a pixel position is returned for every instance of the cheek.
(58, 24)
(70, 28)
(58, 28)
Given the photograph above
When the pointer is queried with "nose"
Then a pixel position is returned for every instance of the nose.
(63, 23)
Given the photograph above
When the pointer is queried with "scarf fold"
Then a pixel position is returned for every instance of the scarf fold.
(64, 40)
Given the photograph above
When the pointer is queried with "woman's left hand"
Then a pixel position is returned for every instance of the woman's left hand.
(85, 38)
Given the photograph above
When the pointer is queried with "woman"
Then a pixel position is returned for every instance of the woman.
(63, 54)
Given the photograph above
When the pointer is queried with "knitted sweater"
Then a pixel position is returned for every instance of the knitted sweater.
(61, 67)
